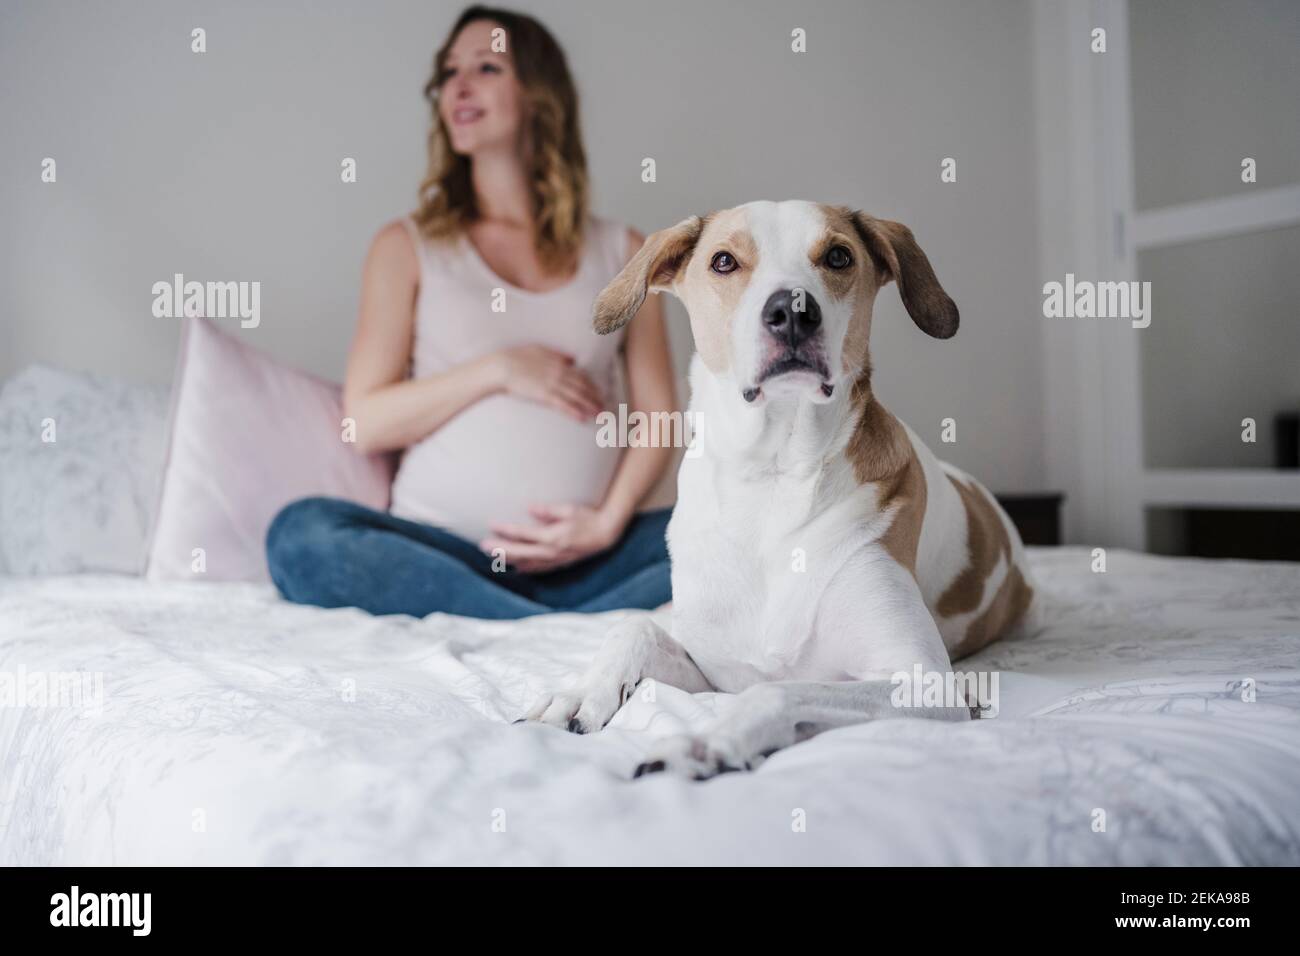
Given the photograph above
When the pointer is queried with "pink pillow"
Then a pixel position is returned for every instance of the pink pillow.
(247, 436)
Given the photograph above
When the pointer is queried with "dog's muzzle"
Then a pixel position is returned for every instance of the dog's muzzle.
(792, 323)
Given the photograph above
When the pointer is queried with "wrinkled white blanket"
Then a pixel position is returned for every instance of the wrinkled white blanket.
(1161, 702)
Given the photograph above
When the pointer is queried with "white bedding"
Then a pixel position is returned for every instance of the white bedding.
(227, 736)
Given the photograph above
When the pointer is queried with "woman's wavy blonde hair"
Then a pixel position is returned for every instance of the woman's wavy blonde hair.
(558, 163)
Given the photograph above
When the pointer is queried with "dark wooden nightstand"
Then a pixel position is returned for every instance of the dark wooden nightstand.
(1037, 516)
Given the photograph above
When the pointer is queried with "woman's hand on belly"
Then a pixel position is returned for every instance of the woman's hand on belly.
(564, 534)
(549, 377)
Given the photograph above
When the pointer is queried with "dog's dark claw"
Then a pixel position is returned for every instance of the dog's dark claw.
(653, 766)
(521, 720)
(575, 727)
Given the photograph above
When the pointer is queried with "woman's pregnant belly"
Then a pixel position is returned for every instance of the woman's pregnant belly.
(493, 460)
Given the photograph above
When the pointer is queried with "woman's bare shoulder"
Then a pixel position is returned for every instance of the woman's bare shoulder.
(393, 249)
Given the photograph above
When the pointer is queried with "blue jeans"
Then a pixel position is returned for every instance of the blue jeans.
(335, 553)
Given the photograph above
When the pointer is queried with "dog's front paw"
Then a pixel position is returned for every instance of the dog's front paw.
(696, 756)
(580, 710)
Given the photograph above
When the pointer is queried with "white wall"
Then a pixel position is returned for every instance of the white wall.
(226, 166)
(1213, 81)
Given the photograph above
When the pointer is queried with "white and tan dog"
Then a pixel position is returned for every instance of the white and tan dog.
(818, 547)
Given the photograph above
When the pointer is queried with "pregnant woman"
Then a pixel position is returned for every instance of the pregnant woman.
(474, 356)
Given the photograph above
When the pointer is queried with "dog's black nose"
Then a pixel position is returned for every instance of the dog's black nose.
(792, 315)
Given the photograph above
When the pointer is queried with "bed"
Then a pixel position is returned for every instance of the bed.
(1155, 720)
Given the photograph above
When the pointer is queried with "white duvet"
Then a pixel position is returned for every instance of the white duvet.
(1155, 721)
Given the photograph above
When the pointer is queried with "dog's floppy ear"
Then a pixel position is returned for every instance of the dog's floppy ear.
(895, 250)
(652, 269)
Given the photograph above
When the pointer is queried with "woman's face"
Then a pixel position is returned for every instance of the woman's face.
(481, 101)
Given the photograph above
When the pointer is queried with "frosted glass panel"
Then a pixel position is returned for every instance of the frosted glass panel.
(1223, 345)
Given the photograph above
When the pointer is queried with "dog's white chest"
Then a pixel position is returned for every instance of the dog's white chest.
(748, 575)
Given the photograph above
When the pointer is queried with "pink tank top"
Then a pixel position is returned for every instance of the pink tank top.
(502, 453)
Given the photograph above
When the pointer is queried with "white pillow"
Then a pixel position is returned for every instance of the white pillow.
(82, 501)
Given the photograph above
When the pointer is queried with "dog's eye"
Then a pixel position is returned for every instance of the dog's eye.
(839, 258)
(723, 262)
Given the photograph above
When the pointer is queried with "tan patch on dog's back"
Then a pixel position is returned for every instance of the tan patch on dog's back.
(905, 493)
(1008, 606)
(883, 455)
(987, 541)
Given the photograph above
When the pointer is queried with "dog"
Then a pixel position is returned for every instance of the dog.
(818, 547)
